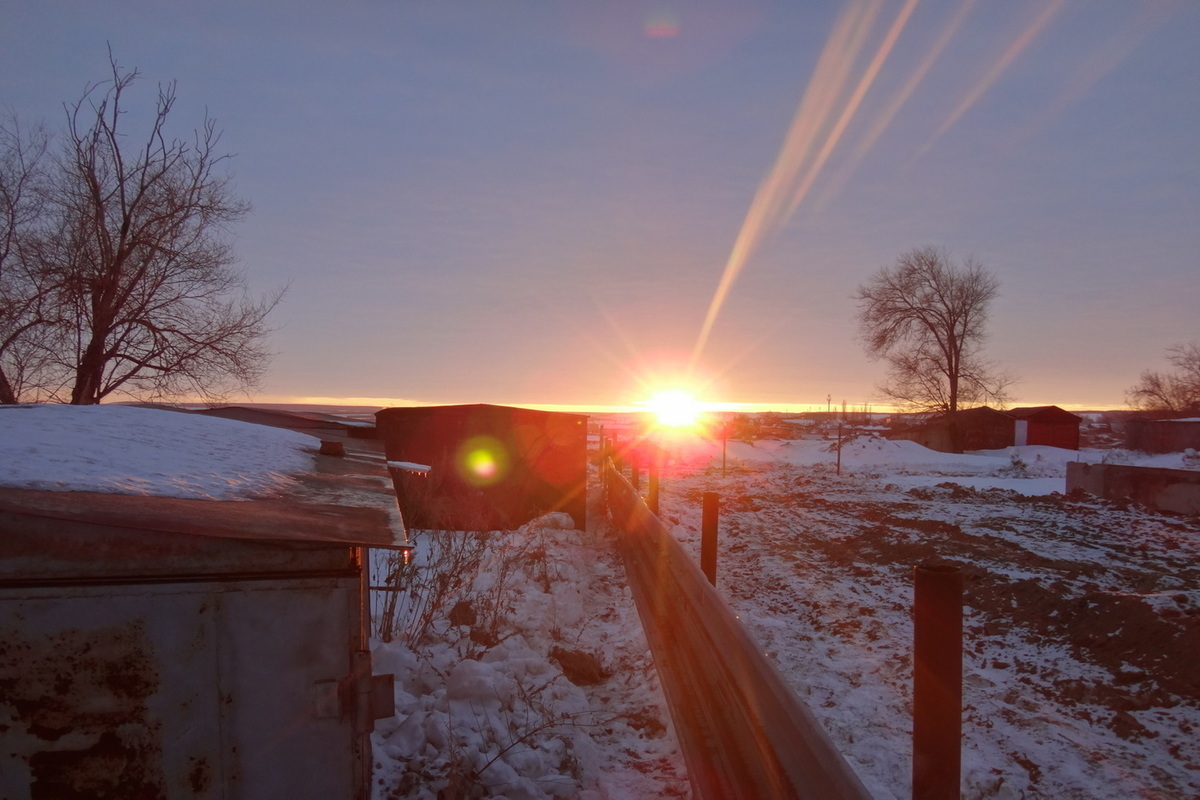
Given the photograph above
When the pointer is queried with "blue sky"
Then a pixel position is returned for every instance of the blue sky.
(535, 202)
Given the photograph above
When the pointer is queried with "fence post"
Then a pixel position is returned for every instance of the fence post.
(652, 488)
(635, 465)
(937, 682)
(708, 535)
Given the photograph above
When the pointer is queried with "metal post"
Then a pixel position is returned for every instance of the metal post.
(839, 449)
(937, 682)
(652, 489)
(724, 444)
(635, 464)
(708, 535)
(605, 462)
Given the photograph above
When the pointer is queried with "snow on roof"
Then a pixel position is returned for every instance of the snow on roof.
(125, 450)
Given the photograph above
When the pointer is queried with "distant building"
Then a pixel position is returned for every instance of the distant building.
(986, 428)
(1046, 425)
(1162, 435)
(485, 467)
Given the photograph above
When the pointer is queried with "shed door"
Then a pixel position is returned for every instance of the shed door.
(1021, 435)
(175, 691)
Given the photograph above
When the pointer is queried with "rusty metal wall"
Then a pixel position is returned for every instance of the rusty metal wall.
(179, 690)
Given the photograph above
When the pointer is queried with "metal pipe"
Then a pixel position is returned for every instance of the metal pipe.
(937, 682)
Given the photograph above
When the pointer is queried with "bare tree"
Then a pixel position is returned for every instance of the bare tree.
(128, 259)
(926, 318)
(1175, 392)
(23, 286)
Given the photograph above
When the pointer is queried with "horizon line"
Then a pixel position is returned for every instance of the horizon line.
(628, 408)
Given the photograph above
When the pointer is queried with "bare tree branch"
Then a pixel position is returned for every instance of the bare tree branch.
(1175, 392)
(138, 289)
(23, 284)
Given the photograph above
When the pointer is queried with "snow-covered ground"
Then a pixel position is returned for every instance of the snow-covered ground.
(531, 677)
(1081, 672)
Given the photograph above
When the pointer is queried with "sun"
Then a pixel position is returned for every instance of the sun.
(675, 408)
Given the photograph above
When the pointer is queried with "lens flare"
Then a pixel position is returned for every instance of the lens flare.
(482, 461)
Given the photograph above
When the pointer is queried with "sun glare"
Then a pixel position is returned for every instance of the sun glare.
(675, 408)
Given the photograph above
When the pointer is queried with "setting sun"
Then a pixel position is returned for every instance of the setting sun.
(675, 408)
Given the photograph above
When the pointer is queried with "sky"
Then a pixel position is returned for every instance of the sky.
(577, 203)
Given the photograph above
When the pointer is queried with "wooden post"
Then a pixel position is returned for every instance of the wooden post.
(652, 489)
(708, 535)
(937, 682)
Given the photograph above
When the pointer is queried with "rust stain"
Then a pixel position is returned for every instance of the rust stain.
(81, 696)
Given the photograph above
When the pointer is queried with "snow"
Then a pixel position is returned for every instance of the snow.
(409, 466)
(1078, 618)
(1081, 620)
(130, 450)
(483, 701)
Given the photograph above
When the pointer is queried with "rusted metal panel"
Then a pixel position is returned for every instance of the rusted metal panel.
(294, 518)
(38, 548)
(179, 691)
(95, 692)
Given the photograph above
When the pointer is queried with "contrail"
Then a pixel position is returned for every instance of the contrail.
(884, 120)
(848, 112)
(1049, 11)
(782, 190)
(1103, 59)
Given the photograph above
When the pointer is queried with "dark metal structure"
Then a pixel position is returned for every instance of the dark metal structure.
(484, 467)
(1162, 435)
(169, 648)
(986, 428)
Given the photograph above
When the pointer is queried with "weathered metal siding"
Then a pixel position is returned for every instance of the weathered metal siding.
(176, 691)
(1162, 436)
(974, 429)
(136, 664)
(1054, 434)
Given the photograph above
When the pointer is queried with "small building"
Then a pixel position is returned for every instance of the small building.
(485, 467)
(1163, 435)
(986, 428)
(160, 646)
(980, 428)
(1046, 425)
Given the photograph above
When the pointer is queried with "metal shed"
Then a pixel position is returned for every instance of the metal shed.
(1046, 425)
(155, 647)
(480, 467)
(1163, 435)
(986, 428)
(982, 428)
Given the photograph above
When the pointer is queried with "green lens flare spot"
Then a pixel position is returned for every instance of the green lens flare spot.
(482, 461)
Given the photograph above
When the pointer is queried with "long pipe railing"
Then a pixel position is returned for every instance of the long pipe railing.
(744, 733)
